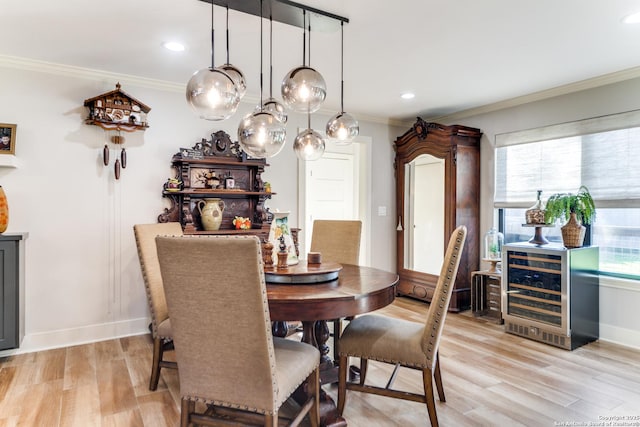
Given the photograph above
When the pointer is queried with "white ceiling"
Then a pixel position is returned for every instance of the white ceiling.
(454, 54)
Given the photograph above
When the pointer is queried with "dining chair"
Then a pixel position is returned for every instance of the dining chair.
(402, 342)
(228, 358)
(337, 241)
(160, 324)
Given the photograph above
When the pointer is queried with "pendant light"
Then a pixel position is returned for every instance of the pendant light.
(261, 134)
(342, 127)
(272, 105)
(211, 92)
(303, 88)
(309, 144)
(232, 70)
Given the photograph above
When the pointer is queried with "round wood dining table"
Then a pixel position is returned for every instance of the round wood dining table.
(357, 290)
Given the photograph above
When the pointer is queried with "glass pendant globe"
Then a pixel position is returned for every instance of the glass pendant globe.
(309, 145)
(212, 94)
(274, 107)
(237, 77)
(303, 89)
(343, 128)
(261, 135)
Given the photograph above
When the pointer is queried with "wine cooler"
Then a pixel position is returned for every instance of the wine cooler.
(550, 293)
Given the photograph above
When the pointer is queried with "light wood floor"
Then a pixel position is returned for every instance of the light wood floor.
(491, 379)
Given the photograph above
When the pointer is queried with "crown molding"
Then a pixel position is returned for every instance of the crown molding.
(606, 79)
(86, 73)
(101, 75)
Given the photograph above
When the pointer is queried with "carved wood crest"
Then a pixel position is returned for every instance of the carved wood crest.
(220, 145)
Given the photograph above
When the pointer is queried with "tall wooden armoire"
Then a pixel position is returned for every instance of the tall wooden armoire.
(449, 190)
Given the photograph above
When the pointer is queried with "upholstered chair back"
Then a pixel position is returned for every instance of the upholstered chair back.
(145, 235)
(217, 301)
(337, 240)
(442, 295)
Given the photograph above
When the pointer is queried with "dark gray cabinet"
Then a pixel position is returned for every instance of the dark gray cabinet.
(11, 290)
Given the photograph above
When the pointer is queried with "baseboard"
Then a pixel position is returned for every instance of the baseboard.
(77, 336)
(621, 336)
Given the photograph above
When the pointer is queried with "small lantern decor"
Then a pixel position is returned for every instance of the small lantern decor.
(117, 111)
(493, 241)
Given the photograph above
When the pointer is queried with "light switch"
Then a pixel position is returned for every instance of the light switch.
(382, 211)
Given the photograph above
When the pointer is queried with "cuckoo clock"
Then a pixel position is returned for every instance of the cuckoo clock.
(117, 111)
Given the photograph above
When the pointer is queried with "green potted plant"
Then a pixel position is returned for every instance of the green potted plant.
(577, 209)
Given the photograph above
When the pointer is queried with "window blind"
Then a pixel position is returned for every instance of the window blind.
(600, 153)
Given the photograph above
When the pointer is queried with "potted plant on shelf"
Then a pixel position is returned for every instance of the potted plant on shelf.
(577, 208)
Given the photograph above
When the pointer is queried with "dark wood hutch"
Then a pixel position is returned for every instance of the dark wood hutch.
(222, 159)
(459, 147)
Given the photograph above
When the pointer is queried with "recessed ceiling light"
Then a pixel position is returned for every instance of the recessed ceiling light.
(174, 46)
(634, 18)
(408, 95)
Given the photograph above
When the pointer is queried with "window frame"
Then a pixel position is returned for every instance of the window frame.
(581, 128)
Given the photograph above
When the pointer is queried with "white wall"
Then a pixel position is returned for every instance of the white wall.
(619, 299)
(83, 280)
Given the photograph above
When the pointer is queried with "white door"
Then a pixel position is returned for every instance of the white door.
(332, 190)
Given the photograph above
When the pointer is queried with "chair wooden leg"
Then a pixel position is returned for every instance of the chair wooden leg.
(337, 331)
(342, 382)
(314, 412)
(438, 377)
(187, 408)
(427, 378)
(158, 351)
(271, 420)
(363, 370)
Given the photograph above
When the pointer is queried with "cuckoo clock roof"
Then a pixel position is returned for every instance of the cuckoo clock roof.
(120, 92)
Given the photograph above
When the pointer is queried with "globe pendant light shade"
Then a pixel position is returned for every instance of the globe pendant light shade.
(212, 94)
(274, 107)
(304, 89)
(237, 77)
(261, 135)
(309, 145)
(343, 128)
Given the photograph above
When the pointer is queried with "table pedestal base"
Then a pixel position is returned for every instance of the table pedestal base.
(317, 333)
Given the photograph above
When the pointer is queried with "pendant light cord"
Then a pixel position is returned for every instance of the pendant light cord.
(342, 67)
(228, 35)
(212, 40)
(309, 63)
(309, 41)
(270, 55)
(261, 19)
(304, 37)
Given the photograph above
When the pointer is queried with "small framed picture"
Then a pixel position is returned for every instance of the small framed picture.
(229, 183)
(7, 138)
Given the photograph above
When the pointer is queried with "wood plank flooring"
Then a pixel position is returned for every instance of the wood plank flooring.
(491, 379)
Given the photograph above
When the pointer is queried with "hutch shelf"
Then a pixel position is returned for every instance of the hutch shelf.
(551, 294)
(218, 169)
